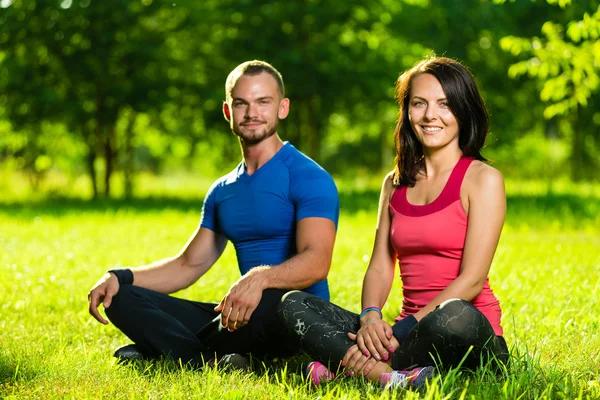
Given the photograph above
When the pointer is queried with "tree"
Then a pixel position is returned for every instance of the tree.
(566, 63)
(83, 65)
(336, 57)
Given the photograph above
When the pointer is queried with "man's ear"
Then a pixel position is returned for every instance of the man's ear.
(284, 108)
(226, 111)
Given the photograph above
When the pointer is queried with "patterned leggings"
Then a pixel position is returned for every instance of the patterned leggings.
(454, 334)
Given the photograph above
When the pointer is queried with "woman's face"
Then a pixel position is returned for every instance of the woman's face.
(429, 114)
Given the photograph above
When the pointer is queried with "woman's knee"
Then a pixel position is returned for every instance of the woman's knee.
(452, 303)
(460, 314)
(290, 303)
(456, 317)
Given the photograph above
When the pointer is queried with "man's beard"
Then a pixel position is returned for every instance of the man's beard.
(256, 136)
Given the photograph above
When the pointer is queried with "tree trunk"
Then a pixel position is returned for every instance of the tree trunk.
(578, 150)
(109, 158)
(129, 158)
(314, 129)
(292, 125)
(90, 164)
(386, 156)
(584, 155)
(304, 128)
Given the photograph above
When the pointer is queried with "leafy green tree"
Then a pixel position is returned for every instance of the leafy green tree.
(84, 65)
(338, 59)
(126, 84)
(566, 63)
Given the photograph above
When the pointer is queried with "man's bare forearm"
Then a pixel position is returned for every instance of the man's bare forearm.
(299, 272)
(167, 276)
(176, 273)
(315, 238)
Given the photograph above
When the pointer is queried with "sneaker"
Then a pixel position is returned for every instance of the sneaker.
(234, 361)
(318, 373)
(414, 378)
(129, 353)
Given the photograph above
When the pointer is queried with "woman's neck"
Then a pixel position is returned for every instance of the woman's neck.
(440, 161)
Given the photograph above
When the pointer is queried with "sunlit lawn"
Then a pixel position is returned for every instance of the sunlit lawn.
(545, 273)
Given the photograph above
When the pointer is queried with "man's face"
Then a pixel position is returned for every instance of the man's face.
(256, 107)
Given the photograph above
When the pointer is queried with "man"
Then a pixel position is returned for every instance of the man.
(280, 211)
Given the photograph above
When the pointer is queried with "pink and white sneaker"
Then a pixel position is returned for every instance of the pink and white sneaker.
(318, 373)
(414, 378)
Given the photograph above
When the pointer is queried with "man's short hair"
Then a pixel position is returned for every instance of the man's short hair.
(254, 67)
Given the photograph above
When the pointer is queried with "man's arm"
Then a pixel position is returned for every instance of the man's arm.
(315, 238)
(173, 274)
(167, 276)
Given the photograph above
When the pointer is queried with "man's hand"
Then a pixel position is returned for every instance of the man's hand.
(102, 292)
(373, 338)
(241, 300)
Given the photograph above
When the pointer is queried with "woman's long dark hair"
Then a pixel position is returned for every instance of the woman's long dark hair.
(464, 101)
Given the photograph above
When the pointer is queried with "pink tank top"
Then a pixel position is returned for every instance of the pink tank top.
(429, 241)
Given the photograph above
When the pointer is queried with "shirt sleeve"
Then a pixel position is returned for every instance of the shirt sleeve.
(209, 217)
(315, 194)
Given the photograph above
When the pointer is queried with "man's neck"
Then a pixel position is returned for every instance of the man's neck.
(256, 155)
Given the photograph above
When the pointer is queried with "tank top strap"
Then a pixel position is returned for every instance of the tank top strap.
(451, 191)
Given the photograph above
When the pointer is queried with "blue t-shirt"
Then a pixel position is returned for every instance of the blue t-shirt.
(258, 213)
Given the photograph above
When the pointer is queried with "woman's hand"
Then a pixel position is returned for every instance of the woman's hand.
(356, 363)
(373, 338)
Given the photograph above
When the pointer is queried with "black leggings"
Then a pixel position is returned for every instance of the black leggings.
(455, 334)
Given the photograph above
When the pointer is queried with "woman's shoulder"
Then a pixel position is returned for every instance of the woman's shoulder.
(389, 179)
(483, 177)
(387, 186)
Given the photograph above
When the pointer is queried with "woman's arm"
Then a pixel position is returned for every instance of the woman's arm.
(379, 277)
(373, 338)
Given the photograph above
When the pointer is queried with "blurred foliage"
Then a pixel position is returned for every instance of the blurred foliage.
(566, 63)
(113, 88)
(84, 66)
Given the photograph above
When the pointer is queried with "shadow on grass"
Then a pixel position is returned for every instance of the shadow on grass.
(566, 209)
(151, 367)
(525, 378)
(554, 207)
(68, 206)
(12, 371)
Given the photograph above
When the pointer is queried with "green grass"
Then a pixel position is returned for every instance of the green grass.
(545, 273)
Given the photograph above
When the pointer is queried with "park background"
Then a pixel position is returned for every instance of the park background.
(111, 132)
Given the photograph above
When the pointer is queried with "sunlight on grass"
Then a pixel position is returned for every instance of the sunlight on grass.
(545, 274)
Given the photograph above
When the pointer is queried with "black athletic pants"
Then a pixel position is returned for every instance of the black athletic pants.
(190, 331)
(448, 335)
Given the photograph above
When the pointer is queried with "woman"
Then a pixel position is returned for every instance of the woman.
(441, 211)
